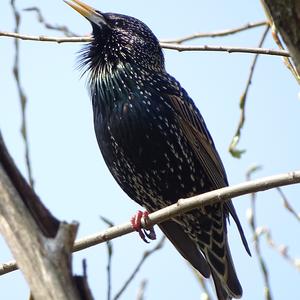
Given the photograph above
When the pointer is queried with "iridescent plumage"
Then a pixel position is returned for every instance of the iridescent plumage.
(155, 142)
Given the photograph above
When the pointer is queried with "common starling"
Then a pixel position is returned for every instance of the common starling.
(155, 142)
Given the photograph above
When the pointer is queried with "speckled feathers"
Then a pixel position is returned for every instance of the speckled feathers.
(155, 142)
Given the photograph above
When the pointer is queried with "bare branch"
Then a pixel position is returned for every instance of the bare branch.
(282, 250)
(22, 95)
(236, 138)
(43, 38)
(8, 267)
(49, 255)
(139, 265)
(67, 32)
(141, 290)
(203, 282)
(182, 206)
(109, 259)
(62, 28)
(287, 205)
(225, 49)
(40, 243)
(252, 221)
(178, 47)
(216, 33)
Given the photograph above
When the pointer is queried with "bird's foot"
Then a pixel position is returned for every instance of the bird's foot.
(136, 223)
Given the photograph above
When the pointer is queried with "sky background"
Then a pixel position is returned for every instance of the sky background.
(73, 181)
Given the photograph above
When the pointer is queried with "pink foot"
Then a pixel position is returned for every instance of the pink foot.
(137, 226)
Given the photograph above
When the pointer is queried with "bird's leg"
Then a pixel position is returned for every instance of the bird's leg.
(137, 226)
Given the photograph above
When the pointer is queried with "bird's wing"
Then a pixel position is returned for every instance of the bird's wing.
(195, 130)
(199, 138)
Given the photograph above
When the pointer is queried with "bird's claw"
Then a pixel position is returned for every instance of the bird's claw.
(136, 223)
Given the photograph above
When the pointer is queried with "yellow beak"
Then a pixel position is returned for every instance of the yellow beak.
(87, 11)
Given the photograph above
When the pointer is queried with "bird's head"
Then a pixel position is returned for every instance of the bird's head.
(118, 40)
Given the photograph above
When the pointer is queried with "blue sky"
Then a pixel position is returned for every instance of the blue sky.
(69, 172)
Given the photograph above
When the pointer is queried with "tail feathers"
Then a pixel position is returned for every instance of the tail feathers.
(185, 246)
(223, 272)
(230, 208)
(221, 292)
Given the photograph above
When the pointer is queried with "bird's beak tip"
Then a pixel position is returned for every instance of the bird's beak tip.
(85, 10)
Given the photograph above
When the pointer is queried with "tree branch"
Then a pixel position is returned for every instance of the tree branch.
(22, 95)
(62, 28)
(146, 254)
(251, 213)
(236, 138)
(178, 47)
(225, 49)
(203, 283)
(216, 33)
(40, 243)
(44, 261)
(282, 250)
(182, 206)
(110, 252)
(43, 38)
(287, 204)
(141, 290)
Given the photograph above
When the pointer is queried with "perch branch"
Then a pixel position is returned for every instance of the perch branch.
(182, 206)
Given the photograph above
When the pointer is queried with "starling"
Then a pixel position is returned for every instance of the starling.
(155, 142)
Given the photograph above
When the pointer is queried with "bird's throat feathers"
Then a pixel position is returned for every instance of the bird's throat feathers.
(113, 78)
(110, 84)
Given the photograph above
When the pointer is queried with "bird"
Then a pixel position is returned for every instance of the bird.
(155, 142)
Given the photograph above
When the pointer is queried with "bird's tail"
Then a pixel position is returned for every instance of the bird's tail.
(223, 272)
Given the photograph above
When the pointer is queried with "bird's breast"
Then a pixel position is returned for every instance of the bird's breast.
(146, 151)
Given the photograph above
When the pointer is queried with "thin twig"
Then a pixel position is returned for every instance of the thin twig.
(62, 28)
(236, 138)
(282, 250)
(287, 205)
(43, 38)
(225, 49)
(22, 96)
(141, 290)
(256, 238)
(139, 265)
(180, 207)
(216, 33)
(178, 47)
(109, 259)
(203, 282)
